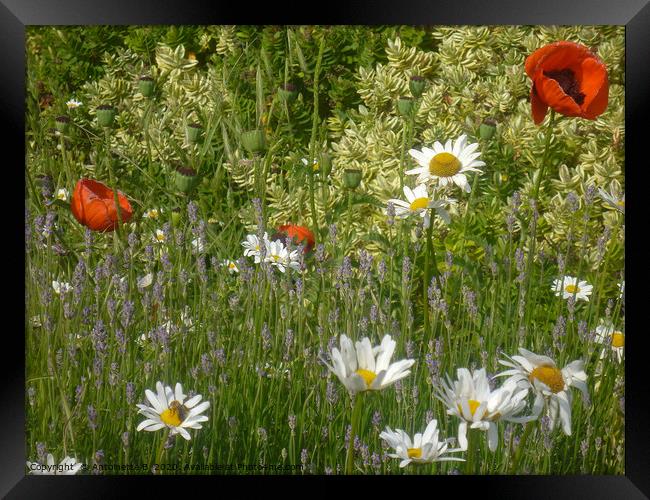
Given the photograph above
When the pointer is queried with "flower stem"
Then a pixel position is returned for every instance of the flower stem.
(429, 258)
(161, 448)
(356, 413)
(522, 444)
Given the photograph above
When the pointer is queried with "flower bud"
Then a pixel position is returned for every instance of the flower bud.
(62, 123)
(405, 106)
(487, 128)
(176, 215)
(145, 86)
(185, 179)
(254, 141)
(192, 132)
(351, 178)
(416, 85)
(105, 115)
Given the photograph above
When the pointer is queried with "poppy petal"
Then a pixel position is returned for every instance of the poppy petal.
(539, 107)
(595, 86)
(552, 94)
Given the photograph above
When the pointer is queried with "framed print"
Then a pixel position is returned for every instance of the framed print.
(377, 244)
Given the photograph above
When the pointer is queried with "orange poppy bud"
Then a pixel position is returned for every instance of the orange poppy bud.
(93, 205)
(569, 78)
(301, 235)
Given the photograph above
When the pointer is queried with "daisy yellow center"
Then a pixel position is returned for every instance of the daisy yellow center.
(550, 376)
(61, 196)
(171, 417)
(572, 288)
(621, 203)
(366, 375)
(618, 339)
(160, 236)
(414, 452)
(473, 405)
(153, 214)
(444, 165)
(315, 167)
(231, 265)
(276, 258)
(419, 203)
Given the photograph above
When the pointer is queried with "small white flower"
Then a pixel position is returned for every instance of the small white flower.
(62, 194)
(68, 467)
(550, 384)
(170, 408)
(447, 164)
(315, 165)
(159, 237)
(73, 104)
(418, 203)
(367, 368)
(424, 449)
(231, 265)
(61, 287)
(253, 246)
(152, 213)
(145, 281)
(569, 285)
(279, 256)
(607, 335)
(197, 244)
(469, 398)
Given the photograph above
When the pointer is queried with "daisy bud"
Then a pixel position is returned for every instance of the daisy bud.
(416, 85)
(405, 106)
(105, 115)
(62, 123)
(487, 129)
(185, 179)
(287, 92)
(192, 132)
(145, 86)
(351, 178)
(254, 141)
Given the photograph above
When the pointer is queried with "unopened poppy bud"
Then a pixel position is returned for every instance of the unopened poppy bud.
(192, 132)
(62, 123)
(351, 178)
(405, 106)
(287, 92)
(416, 85)
(487, 128)
(185, 179)
(254, 141)
(105, 115)
(145, 86)
(325, 164)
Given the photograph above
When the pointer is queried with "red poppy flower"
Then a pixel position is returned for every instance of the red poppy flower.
(569, 78)
(300, 233)
(93, 205)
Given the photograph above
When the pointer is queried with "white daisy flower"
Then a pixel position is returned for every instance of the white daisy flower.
(62, 194)
(447, 164)
(550, 384)
(169, 408)
(469, 398)
(367, 368)
(152, 213)
(61, 287)
(159, 237)
(68, 467)
(73, 104)
(315, 165)
(231, 265)
(424, 449)
(569, 285)
(418, 202)
(606, 334)
(279, 256)
(613, 199)
(253, 246)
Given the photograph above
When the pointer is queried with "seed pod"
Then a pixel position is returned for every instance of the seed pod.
(105, 115)
(254, 141)
(186, 179)
(351, 178)
(416, 85)
(146, 85)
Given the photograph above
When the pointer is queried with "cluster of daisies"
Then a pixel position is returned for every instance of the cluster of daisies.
(439, 167)
(272, 251)
(361, 367)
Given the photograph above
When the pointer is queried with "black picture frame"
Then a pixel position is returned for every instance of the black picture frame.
(15, 15)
